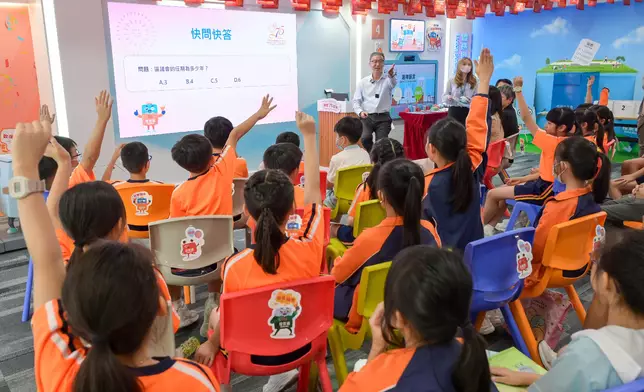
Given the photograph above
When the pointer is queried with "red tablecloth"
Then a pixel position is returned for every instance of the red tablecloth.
(416, 126)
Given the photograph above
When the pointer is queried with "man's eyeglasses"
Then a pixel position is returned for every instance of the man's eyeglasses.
(77, 156)
(149, 157)
(377, 61)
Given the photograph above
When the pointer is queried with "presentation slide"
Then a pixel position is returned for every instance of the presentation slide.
(175, 67)
(407, 35)
(416, 89)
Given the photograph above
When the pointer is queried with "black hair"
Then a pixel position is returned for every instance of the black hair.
(590, 119)
(432, 289)
(269, 198)
(283, 156)
(496, 101)
(217, 130)
(506, 81)
(584, 158)
(350, 127)
(608, 127)
(622, 263)
(402, 184)
(449, 137)
(111, 298)
(579, 116)
(135, 156)
(47, 166)
(383, 151)
(193, 153)
(66, 143)
(562, 116)
(89, 212)
(288, 137)
(508, 91)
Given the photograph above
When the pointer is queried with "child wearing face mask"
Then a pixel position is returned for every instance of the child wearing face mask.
(460, 90)
(347, 137)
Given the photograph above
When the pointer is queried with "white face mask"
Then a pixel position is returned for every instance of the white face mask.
(466, 68)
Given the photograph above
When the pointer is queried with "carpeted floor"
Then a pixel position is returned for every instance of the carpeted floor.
(16, 345)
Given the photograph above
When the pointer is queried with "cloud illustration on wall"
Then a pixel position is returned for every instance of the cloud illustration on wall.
(557, 26)
(634, 37)
(511, 62)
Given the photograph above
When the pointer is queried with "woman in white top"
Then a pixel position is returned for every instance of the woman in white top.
(459, 91)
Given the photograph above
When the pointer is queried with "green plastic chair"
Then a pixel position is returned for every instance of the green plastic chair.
(370, 294)
(346, 181)
(368, 214)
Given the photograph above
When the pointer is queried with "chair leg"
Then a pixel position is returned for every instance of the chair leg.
(26, 306)
(513, 218)
(186, 295)
(323, 375)
(576, 303)
(514, 330)
(480, 317)
(337, 354)
(303, 377)
(526, 330)
(314, 376)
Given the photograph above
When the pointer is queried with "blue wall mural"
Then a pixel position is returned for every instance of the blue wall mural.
(538, 47)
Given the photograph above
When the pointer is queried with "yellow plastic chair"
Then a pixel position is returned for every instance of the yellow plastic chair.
(346, 181)
(368, 214)
(370, 294)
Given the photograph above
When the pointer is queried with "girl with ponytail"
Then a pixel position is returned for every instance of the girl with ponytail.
(427, 299)
(92, 324)
(400, 191)
(453, 197)
(607, 121)
(383, 151)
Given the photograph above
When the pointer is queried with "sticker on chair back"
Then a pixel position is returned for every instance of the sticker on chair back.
(598, 242)
(365, 175)
(301, 182)
(286, 309)
(294, 222)
(524, 259)
(142, 201)
(191, 245)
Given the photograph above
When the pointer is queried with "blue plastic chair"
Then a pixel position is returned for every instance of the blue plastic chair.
(26, 305)
(493, 264)
(531, 210)
(635, 386)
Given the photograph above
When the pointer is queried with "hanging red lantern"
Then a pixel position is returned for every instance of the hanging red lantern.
(452, 4)
(548, 5)
(439, 7)
(301, 5)
(627, 2)
(480, 10)
(610, 1)
(580, 5)
(461, 10)
(193, 2)
(234, 3)
(269, 4)
(529, 4)
(592, 3)
(537, 7)
(561, 4)
(518, 7)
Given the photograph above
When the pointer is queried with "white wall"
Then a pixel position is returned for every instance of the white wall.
(41, 55)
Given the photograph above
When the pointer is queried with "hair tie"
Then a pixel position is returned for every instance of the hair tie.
(599, 166)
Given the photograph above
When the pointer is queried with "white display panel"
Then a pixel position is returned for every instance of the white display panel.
(176, 67)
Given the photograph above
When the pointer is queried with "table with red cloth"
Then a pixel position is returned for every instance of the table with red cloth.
(416, 126)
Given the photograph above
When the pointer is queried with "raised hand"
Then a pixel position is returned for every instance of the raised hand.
(392, 72)
(305, 123)
(45, 115)
(591, 81)
(29, 144)
(266, 107)
(518, 81)
(104, 105)
(485, 66)
(57, 152)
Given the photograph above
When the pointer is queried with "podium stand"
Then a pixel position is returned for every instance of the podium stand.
(330, 112)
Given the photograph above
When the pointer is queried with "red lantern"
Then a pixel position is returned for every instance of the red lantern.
(561, 4)
(529, 4)
(269, 4)
(462, 9)
(439, 7)
(592, 3)
(537, 7)
(580, 5)
(610, 1)
(627, 2)
(452, 4)
(193, 2)
(518, 7)
(548, 5)
(234, 3)
(480, 10)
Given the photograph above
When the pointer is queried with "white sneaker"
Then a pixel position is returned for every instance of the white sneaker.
(502, 226)
(488, 230)
(495, 317)
(280, 382)
(186, 316)
(487, 327)
(546, 354)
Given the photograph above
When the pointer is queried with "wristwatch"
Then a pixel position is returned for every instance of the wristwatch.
(21, 187)
(518, 89)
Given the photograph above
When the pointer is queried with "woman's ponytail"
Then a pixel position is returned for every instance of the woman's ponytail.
(472, 372)
(101, 371)
(269, 238)
(412, 212)
(462, 183)
(601, 181)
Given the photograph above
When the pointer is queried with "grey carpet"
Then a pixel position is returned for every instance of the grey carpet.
(16, 344)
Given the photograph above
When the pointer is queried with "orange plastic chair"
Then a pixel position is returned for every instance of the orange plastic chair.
(144, 204)
(300, 181)
(495, 153)
(273, 329)
(568, 249)
(634, 225)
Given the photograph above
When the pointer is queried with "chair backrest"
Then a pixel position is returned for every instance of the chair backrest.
(301, 178)
(493, 261)
(372, 288)
(146, 203)
(368, 214)
(495, 153)
(238, 195)
(192, 242)
(570, 243)
(276, 319)
(348, 179)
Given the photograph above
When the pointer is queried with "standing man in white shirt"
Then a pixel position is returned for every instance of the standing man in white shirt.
(372, 100)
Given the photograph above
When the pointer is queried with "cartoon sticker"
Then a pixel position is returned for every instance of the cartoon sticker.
(598, 242)
(150, 115)
(233, 189)
(294, 222)
(191, 245)
(365, 175)
(524, 259)
(6, 139)
(286, 309)
(142, 201)
(302, 181)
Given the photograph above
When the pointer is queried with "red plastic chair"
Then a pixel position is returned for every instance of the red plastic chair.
(327, 234)
(495, 153)
(300, 182)
(247, 330)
